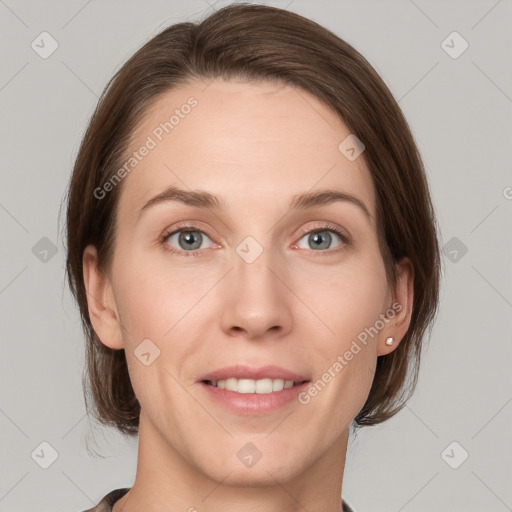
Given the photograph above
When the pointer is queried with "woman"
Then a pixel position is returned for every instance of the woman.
(253, 248)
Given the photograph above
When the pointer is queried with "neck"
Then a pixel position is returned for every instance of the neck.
(165, 480)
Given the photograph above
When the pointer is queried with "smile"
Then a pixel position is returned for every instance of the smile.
(246, 386)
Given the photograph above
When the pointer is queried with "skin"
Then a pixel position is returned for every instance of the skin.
(256, 145)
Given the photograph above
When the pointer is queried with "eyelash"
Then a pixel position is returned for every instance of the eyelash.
(344, 237)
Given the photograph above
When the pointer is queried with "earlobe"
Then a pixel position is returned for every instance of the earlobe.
(101, 301)
(403, 298)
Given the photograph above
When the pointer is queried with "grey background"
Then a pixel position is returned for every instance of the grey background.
(459, 110)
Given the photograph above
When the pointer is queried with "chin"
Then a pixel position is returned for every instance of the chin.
(254, 477)
(241, 471)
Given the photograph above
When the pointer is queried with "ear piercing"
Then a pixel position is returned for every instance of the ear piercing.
(390, 341)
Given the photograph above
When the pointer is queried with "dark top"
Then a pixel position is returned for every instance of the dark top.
(106, 504)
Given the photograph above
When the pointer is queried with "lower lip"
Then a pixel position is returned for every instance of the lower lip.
(254, 403)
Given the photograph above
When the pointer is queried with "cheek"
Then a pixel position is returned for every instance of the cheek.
(346, 356)
(347, 297)
(159, 306)
(153, 296)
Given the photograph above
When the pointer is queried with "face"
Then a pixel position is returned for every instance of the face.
(256, 277)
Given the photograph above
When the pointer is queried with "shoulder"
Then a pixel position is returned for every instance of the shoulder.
(106, 503)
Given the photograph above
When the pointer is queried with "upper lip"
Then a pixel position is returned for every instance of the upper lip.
(241, 371)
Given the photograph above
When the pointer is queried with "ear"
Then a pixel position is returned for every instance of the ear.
(101, 301)
(402, 303)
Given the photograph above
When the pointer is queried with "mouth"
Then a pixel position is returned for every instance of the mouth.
(269, 389)
(250, 386)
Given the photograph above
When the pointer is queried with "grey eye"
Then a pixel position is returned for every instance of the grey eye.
(188, 239)
(319, 240)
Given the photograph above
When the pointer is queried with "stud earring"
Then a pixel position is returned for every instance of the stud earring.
(389, 341)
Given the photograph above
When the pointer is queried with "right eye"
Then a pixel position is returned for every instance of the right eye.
(186, 239)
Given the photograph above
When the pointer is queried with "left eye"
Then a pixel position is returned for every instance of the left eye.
(319, 239)
(188, 240)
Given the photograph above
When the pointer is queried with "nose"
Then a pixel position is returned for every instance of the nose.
(256, 302)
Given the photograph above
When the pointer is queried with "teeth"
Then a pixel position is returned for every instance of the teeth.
(262, 386)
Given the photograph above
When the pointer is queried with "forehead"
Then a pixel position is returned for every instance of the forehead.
(250, 142)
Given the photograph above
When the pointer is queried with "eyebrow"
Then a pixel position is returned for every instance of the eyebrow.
(203, 199)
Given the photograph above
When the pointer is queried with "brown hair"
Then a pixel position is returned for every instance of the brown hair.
(255, 43)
